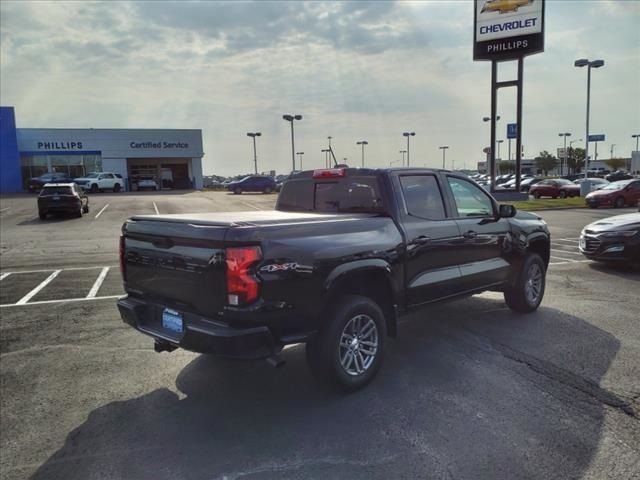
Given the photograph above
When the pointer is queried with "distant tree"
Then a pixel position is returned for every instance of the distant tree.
(507, 166)
(575, 159)
(545, 162)
(616, 163)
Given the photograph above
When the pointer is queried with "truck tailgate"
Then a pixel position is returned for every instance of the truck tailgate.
(177, 264)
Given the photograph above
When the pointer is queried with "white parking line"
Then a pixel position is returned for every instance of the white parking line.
(66, 300)
(52, 269)
(557, 250)
(5, 209)
(98, 283)
(4, 275)
(100, 212)
(250, 205)
(155, 207)
(35, 291)
(564, 259)
(566, 240)
(569, 262)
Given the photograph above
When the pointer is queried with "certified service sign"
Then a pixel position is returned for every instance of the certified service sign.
(508, 29)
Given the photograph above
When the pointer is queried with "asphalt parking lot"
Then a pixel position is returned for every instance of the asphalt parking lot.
(468, 390)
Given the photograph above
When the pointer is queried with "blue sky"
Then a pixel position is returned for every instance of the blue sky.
(354, 70)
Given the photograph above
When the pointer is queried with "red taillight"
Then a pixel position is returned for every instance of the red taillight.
(242, 285)
(330, 173)
(121, 255)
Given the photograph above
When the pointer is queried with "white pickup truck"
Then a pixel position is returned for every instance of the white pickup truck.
(100, 181)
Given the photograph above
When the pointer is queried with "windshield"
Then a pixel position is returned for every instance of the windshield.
(615, 186)
(92, 175)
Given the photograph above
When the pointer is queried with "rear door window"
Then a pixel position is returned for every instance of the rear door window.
(422, 197)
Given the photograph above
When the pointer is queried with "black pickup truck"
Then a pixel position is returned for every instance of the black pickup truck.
(345, 252)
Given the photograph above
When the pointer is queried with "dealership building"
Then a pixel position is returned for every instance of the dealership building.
(171, 157)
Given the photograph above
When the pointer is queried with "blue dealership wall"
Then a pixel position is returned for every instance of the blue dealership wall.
(10, 175)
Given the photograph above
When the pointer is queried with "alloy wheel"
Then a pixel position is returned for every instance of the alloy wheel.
(358, 345)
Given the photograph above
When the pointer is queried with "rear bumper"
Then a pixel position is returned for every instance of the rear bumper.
(199, 334)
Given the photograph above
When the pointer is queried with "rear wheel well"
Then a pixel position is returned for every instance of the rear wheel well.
(542, 248)
(372, 284)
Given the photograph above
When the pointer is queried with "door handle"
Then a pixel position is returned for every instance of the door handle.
(421, 240)
(470, 235)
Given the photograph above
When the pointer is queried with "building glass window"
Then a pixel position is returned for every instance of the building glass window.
(73, 165)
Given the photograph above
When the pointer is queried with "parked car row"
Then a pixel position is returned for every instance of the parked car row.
(94, 182)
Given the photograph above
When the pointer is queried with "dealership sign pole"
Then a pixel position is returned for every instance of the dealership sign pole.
(507, 30)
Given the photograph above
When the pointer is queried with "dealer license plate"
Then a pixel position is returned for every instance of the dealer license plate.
(172, 320)
(56, 197)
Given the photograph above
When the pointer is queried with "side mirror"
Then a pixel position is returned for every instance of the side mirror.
(506, 211)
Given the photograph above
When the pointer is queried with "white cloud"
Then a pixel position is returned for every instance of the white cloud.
(354, 70)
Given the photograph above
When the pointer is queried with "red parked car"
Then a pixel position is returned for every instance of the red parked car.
(548, 188)
(573, 190)
(616, 194)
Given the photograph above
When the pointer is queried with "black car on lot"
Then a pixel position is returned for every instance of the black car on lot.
(253, 183)
(618, 175)
(35, 184)
(66, 198)
(343, 255)
(613, 239)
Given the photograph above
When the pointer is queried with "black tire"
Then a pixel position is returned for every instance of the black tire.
(80, 212)
(94, 188)
(42, 215)
(619, 202)
(351, 314)
(593, 205)
(536, 195)
(267, 190)
(116, 188)
(521, 295)
(85, 209)
(563, 194)
(237, 191)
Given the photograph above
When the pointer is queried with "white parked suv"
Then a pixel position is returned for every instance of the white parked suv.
(99, 181)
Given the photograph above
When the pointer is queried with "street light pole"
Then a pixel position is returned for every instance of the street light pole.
(408, 134)
(326, 157)
(363, 143)
(612, 145)
(565, 135)
(290, 119)
(402, 152)
(300, 155)
(583, 62)
(255, 156)
(444, 149)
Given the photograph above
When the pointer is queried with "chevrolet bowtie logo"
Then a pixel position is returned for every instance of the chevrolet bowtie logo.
(504, 6)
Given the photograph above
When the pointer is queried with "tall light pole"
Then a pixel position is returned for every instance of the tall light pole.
(488, 119)
(326, 157)
(363, 143)
(408, 134)
(255, 156)
(612, 147)
(300, 158)
(583, 62)
(565, 135)
(444, 149)
(637, 137)
(402, 152)
(290, 119)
